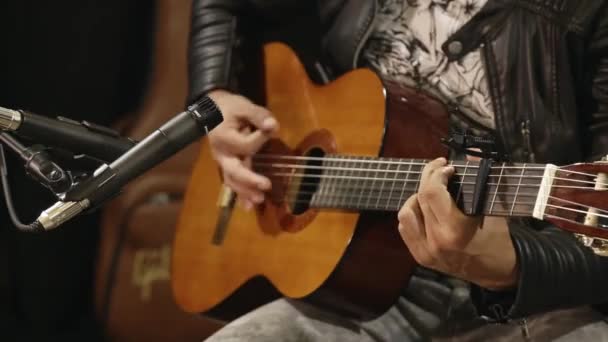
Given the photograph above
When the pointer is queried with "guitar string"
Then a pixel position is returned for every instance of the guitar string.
(576, 203)
(525, 167)
(372, 190)
(390, 199)
(392, 209)
(302, 175)
(370, 161)
(578, 210)
(301, 192)
(495, 192)
(292, 199)
(291, 195)
(395, 181)
(497, 212)
(517, 190)
(406, 187)
(572, 221)
(374, 160)
(467, 165)
(491, 211)
(314, 167)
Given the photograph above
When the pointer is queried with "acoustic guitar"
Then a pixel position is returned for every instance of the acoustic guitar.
(348, 155)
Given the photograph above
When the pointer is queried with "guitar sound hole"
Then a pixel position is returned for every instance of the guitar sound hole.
(306, 184)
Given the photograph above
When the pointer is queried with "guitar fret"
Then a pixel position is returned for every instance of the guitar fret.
(380, 192)
(390, 196)
(461, 185)
(345, 191)
(330, 180)
(374, 176)
(409, 171)
(317, 197)
(340, 192)
(333, 199)
(369, 183)
(420, 168)
(327, 182)
(497, 187)
(521, 176)
(350, 200)
(359, 183)
(394, 197)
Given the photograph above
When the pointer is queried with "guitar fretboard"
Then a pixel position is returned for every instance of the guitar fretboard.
(359, 183)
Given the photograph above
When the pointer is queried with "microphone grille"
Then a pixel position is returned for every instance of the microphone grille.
(10, 119)
(207, 112)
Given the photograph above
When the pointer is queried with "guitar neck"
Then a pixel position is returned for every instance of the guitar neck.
(361, 183)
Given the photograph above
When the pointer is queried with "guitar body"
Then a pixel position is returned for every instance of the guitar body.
(227, 261)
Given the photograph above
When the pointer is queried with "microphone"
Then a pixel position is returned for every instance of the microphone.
(107, 181)
(77, 137)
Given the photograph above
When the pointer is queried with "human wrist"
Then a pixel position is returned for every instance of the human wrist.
(494, 265)
(501, 280)
(217, 93)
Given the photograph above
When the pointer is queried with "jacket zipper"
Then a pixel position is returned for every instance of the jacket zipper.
(488, 60)
(525, 332)
(525, 132)
(499, 313)
(497, 309)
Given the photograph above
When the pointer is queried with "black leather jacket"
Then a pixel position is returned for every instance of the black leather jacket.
(547, 66)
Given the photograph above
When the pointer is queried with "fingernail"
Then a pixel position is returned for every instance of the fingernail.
(259, 199)
(269, 123)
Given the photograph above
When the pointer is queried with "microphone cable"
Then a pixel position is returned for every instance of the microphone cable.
(12, 212)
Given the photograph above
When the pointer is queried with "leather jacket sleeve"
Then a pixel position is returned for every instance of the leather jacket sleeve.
(216, 37)
(212, 45)
(556, 270)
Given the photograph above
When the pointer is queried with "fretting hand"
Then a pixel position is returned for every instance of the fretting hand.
(441, 237)
(233, 143)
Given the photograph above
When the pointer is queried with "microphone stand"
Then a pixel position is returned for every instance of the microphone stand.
(108, 179)
(77, 137)
(40, 166)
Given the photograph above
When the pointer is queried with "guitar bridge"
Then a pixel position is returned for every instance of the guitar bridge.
(226, 201)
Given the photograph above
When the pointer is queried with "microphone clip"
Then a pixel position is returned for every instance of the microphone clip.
(40, 166)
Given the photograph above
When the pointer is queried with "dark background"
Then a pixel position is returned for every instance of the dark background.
(86, 60)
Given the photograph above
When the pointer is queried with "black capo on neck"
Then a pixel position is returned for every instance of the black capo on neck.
(479, 147)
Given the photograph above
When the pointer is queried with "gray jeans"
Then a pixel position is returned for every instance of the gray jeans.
(430, 309)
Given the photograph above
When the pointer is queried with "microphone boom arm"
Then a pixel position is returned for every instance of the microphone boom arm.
(84, 137)
(107, 181)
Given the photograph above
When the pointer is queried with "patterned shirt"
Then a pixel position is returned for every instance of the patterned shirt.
(405, 46)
